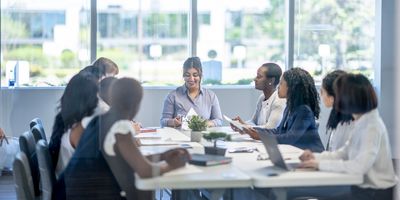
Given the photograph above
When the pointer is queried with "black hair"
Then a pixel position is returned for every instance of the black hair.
(193, 62)
(301, 90)
(273, 71)
(126, 95)
(93, 71)
(355, 94)
(78, 101)
(335, 117)
(104, 89)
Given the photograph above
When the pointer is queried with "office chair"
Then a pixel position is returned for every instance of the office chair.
(39, 132)
(27, 144)
(47, 175)
(23, 178)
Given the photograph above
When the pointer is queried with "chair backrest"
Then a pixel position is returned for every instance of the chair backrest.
(47, 175)
(23, 178)
(38, 133)
(27, 145)
(39, 129)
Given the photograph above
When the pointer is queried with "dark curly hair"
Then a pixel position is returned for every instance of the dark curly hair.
(301, 90)
(335, 117)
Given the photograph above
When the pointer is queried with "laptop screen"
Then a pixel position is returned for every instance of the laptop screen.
(271, 145)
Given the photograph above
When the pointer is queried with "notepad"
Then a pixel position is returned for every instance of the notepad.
(235, 123)
(209, 160)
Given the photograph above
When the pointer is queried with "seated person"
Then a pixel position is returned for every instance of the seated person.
(368, 151)
(191, 95)
(101, 68)
(298, 126)
(106, 159)
(79, 100)
(338, 124)
(270, 107)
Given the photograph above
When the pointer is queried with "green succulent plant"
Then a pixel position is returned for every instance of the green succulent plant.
(196, 123)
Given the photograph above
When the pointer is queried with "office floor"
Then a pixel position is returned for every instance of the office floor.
(7, 189)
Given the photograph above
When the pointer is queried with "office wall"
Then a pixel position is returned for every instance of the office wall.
(20, 105)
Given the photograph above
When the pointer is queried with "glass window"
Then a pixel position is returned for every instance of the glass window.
(334, 35)
(238, 37)
(42, 43)
(148, 40)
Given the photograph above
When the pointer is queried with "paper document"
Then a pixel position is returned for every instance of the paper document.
(150, 135)
(235, 123)
(145, 142)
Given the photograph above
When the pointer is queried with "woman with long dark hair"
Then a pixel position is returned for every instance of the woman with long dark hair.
(110, 156)
(78, 101)
(338, 124)
(298, 126)
(368, 150)
(191, 96)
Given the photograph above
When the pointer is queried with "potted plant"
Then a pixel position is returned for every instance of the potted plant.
(214, 137)
(197, 125)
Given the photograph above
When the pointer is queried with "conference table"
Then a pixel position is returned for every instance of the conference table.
(245, 171)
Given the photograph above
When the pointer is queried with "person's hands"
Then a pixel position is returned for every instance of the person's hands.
(2, 137)
(210, 123)
(234, 128)
(312, 164)
(177, 121)
(176, 158)
(237, 118)
(252, 132)
(137, 126)
(307, 155)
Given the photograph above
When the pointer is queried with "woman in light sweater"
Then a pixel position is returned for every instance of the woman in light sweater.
(367, 152)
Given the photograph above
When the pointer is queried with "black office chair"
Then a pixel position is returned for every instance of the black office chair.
(47, 175)
(39, 132)
(23, 178)
(27, 144)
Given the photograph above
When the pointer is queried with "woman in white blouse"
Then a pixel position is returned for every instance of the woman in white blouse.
(367, 152)
(270, 107)
(339, 124)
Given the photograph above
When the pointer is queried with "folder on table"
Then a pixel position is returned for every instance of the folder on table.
(209, 160)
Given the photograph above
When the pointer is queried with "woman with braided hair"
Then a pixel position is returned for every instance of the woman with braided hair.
(298, 126)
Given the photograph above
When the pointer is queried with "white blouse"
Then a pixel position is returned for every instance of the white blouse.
(66, 152)
(367, 152)
(339, 136)
(268, 113)
(120, 127)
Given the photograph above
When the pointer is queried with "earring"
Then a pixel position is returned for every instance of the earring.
(269, 83)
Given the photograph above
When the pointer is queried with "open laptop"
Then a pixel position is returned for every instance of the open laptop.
(271, 145)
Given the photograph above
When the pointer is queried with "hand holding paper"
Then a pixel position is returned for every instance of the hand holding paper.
(237, 124)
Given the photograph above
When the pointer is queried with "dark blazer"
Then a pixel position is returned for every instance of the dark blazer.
(298, 129)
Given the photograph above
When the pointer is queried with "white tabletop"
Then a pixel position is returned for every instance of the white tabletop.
(244, 171)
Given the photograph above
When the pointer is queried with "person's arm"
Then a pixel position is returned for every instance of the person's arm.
(2, 137)
(76, 133)
(216, 115)
(168, 118)
(141, 165)
(303, 119)
(367, 152)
